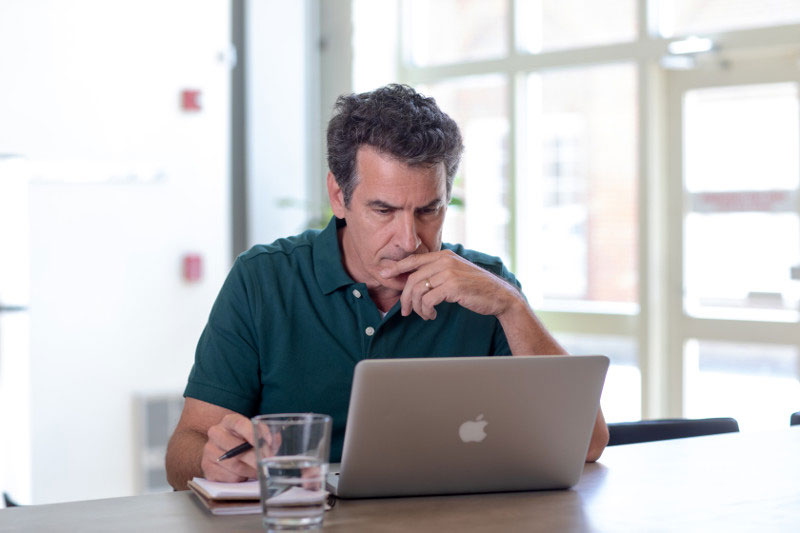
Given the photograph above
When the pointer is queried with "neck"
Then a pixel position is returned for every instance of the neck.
(384, 298)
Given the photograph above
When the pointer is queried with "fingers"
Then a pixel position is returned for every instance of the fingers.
(232, 430)
(424, 289)
(313, 478)
(431, 281)
(238, 426)
(428, 302)
(422, 297)
(233, 470)
(445, 276)
(269, 443)
(411, 263)
(275, 444)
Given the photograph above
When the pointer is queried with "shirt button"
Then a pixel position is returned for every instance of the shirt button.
(357, 293)
(370, 331)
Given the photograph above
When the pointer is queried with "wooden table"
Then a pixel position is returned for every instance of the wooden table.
(731, 482)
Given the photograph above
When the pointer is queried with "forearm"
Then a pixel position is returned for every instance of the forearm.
(526, 335)
(524, 331)
(184, 454)
(599, 438)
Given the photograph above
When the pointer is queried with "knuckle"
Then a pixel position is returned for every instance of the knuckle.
(230, 419)
(208, 467)
(241, 423)
(215, 432)
(210, 452)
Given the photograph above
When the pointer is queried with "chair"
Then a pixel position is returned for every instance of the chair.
(665, 429)
(795, 419)
(8, 501)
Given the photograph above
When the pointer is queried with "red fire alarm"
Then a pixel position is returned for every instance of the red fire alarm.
(192, 268)
(190, 100)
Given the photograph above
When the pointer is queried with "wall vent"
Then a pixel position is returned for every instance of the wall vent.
(156, 416)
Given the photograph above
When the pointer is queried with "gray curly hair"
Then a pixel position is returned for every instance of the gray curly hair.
(396, 120)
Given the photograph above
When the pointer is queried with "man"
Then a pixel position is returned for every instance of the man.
(293, 318)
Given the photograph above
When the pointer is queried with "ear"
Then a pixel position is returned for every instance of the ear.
(336, 196)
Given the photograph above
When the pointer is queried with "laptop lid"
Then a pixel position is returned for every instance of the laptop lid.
(468, 424)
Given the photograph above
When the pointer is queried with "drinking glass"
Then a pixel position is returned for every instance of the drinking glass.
(293, 451)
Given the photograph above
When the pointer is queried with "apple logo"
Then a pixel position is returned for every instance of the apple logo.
(472, 430)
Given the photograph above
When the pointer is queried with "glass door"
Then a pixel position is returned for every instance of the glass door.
(734, 247)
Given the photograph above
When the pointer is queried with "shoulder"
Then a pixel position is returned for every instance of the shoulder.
(296, 245)
(264, 265)
(488, 262)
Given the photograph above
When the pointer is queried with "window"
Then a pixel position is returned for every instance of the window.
(650, 213)
(544, 25)
(755, 383)
(687, 17)
(622, 391)
(479, 34)
(479, 216)
(577, 185)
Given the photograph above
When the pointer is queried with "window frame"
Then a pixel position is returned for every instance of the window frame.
(651, 322)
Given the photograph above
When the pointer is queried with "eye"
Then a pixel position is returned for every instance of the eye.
(383, 210)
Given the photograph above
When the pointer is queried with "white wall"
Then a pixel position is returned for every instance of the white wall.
(93, 87)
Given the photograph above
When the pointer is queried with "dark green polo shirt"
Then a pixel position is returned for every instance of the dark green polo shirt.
(289, 326)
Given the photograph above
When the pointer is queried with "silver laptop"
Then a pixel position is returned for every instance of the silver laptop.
(468, 424)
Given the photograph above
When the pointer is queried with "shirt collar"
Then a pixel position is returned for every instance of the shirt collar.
(328, 265)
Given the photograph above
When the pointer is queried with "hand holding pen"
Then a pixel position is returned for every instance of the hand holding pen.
(228, 454)
(233, 452)
(273, 443)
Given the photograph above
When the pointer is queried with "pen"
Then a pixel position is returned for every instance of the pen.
(233, 452)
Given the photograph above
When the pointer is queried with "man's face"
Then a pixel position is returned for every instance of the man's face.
(396, 210)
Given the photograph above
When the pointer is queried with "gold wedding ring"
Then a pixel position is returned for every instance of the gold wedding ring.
(428, 284)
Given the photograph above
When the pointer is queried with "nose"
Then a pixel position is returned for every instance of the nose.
(407, 238)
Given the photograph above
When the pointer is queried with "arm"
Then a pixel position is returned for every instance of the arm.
(527, 335)
(226, 359)
(444, 276)
(599, 438)
(204, 432)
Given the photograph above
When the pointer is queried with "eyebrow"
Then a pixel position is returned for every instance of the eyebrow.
(380, 204)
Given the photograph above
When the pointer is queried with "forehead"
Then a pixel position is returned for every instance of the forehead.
(379, 171)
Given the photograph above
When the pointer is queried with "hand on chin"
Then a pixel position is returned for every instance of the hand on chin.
(397, 283)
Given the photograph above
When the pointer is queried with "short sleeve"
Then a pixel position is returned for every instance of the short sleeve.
(226, 369)
(499, 341)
